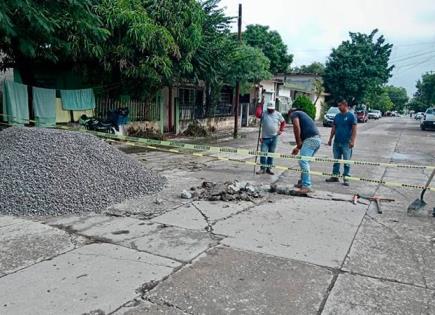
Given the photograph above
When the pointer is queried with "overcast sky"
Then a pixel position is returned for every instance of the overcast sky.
(310, 28)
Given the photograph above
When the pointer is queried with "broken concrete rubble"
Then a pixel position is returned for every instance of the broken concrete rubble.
(228, 191)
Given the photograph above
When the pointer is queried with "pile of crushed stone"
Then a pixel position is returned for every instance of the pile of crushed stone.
(228, 191)
(53, 172)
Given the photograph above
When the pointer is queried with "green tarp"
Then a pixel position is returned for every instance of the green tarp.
(15, 103)
(78, 99)
(44, 107)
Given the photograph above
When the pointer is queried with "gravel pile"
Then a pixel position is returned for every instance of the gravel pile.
(53, 172)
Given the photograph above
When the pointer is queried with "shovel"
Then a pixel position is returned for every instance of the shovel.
(417, 204)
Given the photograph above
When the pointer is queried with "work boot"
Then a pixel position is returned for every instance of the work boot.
(346, 182)
(269, 171)
(332, 179)
(261, 171)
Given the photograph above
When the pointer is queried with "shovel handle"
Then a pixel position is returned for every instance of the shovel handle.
(427, 184)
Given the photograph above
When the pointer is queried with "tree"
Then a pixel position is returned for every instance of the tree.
(398, 96)
(416, 105)
(426, 89)
(271, 44)
(358, 67)
(304, 103)
(48, 32)
(380, 101)
(151, 44)
(314, 68)
(247, 65)
(211, 60)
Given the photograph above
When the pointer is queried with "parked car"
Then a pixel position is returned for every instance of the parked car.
(362, 115)
(328, 119)
(375, 114)
(418, 116)
(428, 120)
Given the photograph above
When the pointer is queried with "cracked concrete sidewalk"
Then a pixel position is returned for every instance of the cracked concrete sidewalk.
(278, 255)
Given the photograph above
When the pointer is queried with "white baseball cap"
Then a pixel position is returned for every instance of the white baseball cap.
(270, 105)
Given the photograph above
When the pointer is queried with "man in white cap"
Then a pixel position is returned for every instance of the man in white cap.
(273, 126)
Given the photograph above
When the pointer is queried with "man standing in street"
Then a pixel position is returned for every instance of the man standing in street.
(273, 125)
(344, 131)
(308, 142)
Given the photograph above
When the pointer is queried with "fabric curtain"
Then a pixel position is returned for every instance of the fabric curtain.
(15, 103)
(78, 99)
(62, 116)
(44, 107)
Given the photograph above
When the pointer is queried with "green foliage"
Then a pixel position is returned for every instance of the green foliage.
(271, 44)
(314, 68)
(358, 67)
(48, 31)
(380, 101)
(304, 103)
(247, 65)
(426, 89)
(398, 96)
(417, 106)
(150, 42)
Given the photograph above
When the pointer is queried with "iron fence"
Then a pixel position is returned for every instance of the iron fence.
(138, 110)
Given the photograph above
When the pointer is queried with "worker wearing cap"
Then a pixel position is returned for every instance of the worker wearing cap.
(272, 126)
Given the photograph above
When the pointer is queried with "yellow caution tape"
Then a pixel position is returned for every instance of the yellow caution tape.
(315, 173)
(232, 150)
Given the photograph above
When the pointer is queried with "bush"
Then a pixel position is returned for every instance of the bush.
(304, 103)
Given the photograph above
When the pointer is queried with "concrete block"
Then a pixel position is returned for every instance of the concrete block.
(314, 231)
(228, 281)
(94, 277)
(24, 243)
(361, 295)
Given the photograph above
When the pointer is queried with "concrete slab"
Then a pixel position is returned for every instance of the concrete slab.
(228, 281)
(146, 307)
(191, 216)
(361, 295)
(8, 220)
(397, 250)
(314, 231)
(24, 243)
(94, 277)
(217, 210)
(186, 216)
(154, 205)
(110, 229)
(176, 243)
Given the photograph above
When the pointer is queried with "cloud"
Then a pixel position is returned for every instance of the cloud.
(310, 28)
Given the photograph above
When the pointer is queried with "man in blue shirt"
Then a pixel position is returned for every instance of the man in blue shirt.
(344, 131)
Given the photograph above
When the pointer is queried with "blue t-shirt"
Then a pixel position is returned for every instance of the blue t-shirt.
(343, 127)
(308, 127)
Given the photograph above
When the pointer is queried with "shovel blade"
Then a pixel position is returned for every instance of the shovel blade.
(416, 205)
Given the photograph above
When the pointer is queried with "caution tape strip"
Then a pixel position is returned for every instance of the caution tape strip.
(232, 150)
(285, 168)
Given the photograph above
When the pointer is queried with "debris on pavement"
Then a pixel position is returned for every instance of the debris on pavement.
(228, 191)
(54, 172)
(195, 129)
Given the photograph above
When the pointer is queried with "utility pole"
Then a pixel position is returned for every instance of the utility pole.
(237, 100)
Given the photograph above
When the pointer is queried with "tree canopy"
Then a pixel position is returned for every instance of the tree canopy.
(314, 68)
(398, 96)
(426, 89)
(358, 67)
(48, 31)
(271, 44)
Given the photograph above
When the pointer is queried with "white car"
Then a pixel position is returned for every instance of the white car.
(375, 114)
(418, 116)
(428, 119)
